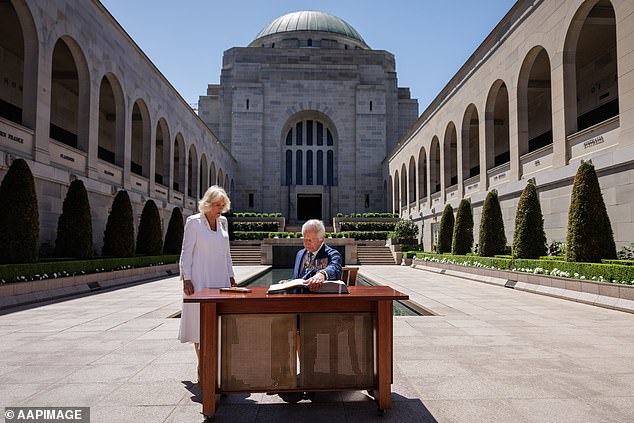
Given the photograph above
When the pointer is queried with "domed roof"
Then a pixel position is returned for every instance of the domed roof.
(310, 21)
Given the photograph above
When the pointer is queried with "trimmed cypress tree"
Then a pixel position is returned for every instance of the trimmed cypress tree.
(74, 227)
(118, 240)
(492, 239)
(590, 236)
(445, 230)
(150, 237)
(174, 235)
(19, 217)
(529, 239)
(463, 229)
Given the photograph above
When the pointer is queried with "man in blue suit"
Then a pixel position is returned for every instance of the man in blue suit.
(316, 262)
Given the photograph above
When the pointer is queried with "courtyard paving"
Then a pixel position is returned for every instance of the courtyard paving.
(489, 354)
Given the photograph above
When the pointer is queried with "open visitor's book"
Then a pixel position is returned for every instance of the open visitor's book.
(299, 286)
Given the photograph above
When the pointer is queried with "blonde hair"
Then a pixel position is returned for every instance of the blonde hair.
(213, 194)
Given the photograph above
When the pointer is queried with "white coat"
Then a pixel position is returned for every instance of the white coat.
(206, 261)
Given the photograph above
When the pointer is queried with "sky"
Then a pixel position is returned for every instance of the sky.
(431, 39)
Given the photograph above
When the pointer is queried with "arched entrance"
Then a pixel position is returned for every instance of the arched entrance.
(309, 146)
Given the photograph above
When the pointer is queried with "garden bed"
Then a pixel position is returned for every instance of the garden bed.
(609, 272)
(12, 273)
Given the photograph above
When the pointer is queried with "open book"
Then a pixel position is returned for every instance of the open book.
(299, 286)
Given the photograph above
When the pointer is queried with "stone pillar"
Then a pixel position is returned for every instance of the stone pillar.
(514, 152)
(93, 132)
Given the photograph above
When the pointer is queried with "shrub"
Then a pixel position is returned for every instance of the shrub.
(150, 237)
(19, 217)
(626, 253)
(463, 229)
(406, 229)
(74, 227)
(253, 226)
(368, 226)
(174, 234)
(63, 268)
(118, 240)
(557, 248)
(529, 239)
(492, 240)
(589, 236)
(445, 230)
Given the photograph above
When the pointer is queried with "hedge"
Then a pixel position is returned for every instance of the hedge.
(174, 234)
(589, 235)
(74, 226)
(368, 215)
(360, 235)
(58, 269)
(445, 230)
(605, 272)
(252, 214)
(253, 226)
(367, 226)
(19, 216)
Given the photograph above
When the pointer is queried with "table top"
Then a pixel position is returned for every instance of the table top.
(374, 293)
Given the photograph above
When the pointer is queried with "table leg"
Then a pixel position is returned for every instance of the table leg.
(208, 356)
(384, 354)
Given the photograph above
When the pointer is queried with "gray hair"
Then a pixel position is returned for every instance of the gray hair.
(213, 194)
(314, 225)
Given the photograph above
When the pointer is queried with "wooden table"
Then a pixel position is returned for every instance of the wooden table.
(374, 299)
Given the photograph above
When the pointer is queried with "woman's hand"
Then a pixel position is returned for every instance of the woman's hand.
(188, 287)
(233, 281)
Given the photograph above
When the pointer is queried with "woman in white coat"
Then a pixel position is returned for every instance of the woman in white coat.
(205, 260)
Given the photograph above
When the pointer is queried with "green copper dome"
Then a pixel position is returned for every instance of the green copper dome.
(310, 21)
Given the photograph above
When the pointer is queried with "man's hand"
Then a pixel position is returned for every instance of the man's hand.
(316, 281)
(188, 287)
(233, 282)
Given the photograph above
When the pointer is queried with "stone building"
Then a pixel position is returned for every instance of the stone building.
(550, 87)
(309, 112)
(80, 100)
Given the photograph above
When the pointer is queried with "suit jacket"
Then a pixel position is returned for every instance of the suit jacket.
(326, 258)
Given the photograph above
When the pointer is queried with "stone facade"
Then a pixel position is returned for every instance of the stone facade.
(316, 79)
(81, 100)
(551, 86)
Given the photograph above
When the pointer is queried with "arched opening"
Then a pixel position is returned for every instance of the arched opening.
(66, 97)
(203, 182)
(11, 64)
(19, 64)
(411, 183)
(192, 171)
(226, 184)
(590, 67)
(403, 186)
(535, 120)
(161, 158)
(221, 178)
(212, 174)
(422, 174)
(178, 182)
(497, 125)
(450, 155)
(232, 188)
(434, 165)
(397, 196)
(140, 148)
(309, 138)
(110, 139)
(470, 143)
